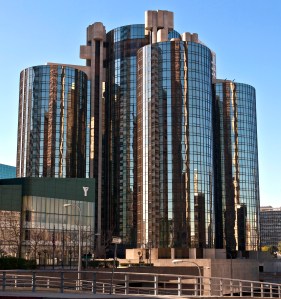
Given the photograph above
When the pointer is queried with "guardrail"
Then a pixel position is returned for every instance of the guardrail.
(110, 282)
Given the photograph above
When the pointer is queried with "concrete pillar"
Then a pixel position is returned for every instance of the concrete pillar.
(192, 253)
(96, 35)
(159, 24)
(194, 37)
(162, 35)
(186, 36)
(173, 254)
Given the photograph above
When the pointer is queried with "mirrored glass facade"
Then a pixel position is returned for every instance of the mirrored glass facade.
(53, 122)
(123, 44)
(237, 173)
(7, 171)
(172, 148)
(48, 225)
(175, 154)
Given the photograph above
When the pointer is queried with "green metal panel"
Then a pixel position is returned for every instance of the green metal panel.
(61, 188)
(64, 188)
(10, 198)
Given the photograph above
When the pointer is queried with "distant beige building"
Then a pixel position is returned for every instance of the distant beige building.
(270, 226)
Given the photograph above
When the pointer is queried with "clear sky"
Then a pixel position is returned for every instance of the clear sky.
(245, 34)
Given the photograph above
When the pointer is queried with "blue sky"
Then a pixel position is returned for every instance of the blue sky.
(245, 34)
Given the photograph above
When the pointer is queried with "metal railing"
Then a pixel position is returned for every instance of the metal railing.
(109, 282)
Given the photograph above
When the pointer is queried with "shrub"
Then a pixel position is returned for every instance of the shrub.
(10, 263)
(101, 264)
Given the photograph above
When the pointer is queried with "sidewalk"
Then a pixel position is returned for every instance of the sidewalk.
(46, 295)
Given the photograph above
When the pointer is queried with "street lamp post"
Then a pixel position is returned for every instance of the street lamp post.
(79, 238)
(70, 256)
(45, 253)
(150, 245)
(94, 243)
(39, 255)
(115, 241)
(199, 271)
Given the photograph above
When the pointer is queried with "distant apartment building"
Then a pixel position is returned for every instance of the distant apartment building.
(270, 226)
(7, 171)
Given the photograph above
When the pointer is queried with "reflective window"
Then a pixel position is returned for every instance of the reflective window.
(175, 154)
(123, 44)
(53, 122)
(50, 226)
(237, 186)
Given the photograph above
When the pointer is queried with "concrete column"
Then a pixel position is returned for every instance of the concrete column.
(186, 37)
(162, 35)
(96, 35)
(192, 253)
(154, 35)
(159, 24)
(173, 254)
(194, 37)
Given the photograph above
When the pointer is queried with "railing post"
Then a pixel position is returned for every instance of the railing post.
(270, 290)
(252, 290)
(261, 290)
(196, 287)
(61, 282)
(4, 281)
(231, 287)
(127, 284)
(240, 288)
(279, 291)
(156, 285)
(33, 281)
(94, 283)
(221, 288)
(200, 285)
(179, 287)
(111, 280)
(210, 286)
(16, 281)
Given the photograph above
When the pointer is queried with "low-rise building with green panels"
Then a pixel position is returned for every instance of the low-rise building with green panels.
(36, 223)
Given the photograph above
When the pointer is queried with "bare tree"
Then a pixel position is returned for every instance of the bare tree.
(10, 233)
(36, 240)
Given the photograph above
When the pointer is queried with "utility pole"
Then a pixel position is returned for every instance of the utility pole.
(54, 246)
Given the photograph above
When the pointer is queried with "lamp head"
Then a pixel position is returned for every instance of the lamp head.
(177, 261)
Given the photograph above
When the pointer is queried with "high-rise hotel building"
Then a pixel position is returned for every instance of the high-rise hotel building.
(173, 149)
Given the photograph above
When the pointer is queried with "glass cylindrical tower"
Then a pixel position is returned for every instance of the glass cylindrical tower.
(174, 142)
(236, 166)
(123, 44)
(53, 120)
